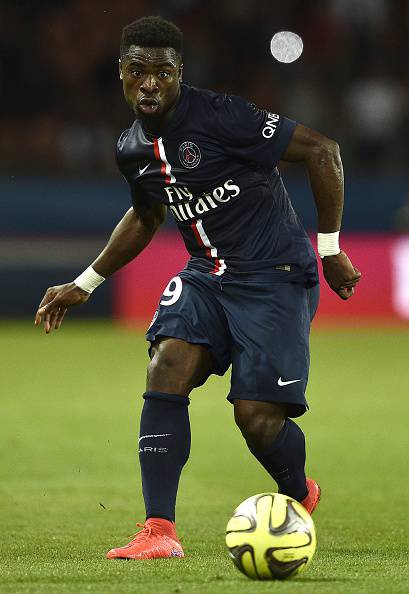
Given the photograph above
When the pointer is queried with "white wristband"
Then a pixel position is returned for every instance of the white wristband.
(89, 280)
(328, 244)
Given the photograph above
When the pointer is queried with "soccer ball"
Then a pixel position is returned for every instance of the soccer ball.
(271, 537)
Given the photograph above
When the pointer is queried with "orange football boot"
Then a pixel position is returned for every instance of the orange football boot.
(314, 494)
(156, 540)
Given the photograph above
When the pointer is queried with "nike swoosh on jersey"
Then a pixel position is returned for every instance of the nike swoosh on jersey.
(281, 383)
(143, 169)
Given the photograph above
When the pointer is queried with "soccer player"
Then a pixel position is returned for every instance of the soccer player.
(250, 288)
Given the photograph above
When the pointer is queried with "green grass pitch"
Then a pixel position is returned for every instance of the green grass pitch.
(69, 482)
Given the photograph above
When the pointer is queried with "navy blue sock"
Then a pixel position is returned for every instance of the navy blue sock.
(284, 460)
(164, 446)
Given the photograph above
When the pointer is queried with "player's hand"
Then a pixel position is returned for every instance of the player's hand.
(55, 303)
(340, 274)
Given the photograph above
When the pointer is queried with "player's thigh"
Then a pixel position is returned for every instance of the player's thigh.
(270, 356)
(188, 335)
(177, 366)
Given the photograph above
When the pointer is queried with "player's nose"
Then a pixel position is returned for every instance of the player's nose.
(150, 84)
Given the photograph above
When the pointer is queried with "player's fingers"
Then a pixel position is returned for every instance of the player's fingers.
(349, 283)
(354, 279)
(53, 318)
(47, 312)
(49, 308)
(47, 323)
(346, 292)
(60, 318)
(351, 280)
(48, 297)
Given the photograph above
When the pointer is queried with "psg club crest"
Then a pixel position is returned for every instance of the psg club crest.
(189, 154)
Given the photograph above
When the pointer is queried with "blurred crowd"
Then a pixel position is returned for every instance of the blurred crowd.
(61, 104)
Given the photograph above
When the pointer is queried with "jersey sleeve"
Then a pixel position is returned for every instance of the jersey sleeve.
(121, 162)
(119, 153)
(251, 134)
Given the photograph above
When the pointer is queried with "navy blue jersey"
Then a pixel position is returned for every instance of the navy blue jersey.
(215, 166)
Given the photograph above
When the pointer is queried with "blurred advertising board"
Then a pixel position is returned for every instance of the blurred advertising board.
(382, 296)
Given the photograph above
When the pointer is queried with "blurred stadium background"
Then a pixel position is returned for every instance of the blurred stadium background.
(69, 488)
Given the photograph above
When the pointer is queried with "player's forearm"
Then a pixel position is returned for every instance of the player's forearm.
(129, 238)
(327, 182)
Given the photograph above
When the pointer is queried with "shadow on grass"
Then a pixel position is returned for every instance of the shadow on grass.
(295, 580)
(324, 580)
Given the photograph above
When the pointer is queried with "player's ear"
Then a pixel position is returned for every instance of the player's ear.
(181, 72)
(120, 69)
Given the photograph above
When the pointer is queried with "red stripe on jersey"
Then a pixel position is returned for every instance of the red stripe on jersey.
(210, 250)
(199, 239)
(216, 266)
(156, 149)
(158, 157)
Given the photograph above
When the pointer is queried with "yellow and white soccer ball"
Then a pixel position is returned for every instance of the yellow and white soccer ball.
(271, 537)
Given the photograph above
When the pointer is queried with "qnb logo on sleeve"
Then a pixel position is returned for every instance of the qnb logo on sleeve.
(145, 449)
(271, 125)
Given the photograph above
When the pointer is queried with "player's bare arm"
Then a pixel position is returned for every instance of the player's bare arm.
(323, 161)
(132, 234)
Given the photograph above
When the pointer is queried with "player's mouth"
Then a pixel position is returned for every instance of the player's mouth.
(148, 105)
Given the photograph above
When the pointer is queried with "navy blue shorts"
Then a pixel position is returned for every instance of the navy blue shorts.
(260, 328)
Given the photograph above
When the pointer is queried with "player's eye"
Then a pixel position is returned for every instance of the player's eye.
(164, 74)
(136, 73)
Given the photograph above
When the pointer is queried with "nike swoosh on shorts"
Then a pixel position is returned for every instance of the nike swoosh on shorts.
(281, 383)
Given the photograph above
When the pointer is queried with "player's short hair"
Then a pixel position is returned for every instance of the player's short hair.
(152, 31)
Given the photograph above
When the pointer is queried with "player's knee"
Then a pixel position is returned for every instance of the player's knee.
(161, 365)
(177, 366)
(259, 422)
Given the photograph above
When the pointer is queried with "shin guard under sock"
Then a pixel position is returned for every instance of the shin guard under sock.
(284, 460)
(164, 446)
